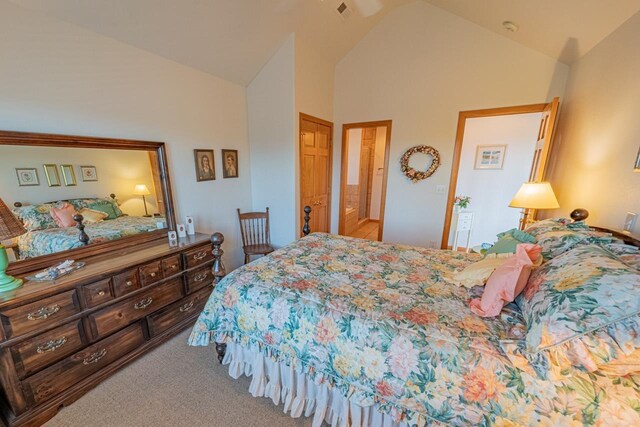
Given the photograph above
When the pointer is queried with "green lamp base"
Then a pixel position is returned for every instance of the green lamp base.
(8, 283)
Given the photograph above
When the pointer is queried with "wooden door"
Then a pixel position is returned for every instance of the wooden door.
(315, 171)
(544, 141)
(367, 152)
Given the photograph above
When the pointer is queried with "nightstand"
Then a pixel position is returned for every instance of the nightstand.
(462, 222)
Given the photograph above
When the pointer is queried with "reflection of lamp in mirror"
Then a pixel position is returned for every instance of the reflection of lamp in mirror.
(533, 195)
(142, 190)
(10, 227)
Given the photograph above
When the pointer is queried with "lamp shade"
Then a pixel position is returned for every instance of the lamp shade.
(10, 226)
(141, 190)
(535, 195)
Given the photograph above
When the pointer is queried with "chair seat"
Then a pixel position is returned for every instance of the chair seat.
(257, 249)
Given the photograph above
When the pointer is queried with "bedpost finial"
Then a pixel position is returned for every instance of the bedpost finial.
(219, 271)
(579, 214)
(306, 229)
(84, 238)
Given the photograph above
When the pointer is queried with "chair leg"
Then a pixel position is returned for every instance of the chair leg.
(246, 259)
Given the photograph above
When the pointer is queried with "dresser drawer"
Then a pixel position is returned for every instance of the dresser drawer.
(197, 256)
(178, 311)
(199, 278)
(151, 273)
(75, 368)
(171, 265)
(97, 293)
(125, 282)
(39, 314)
(34, 354)
(123, 313)
(464, 216)
(464, 225)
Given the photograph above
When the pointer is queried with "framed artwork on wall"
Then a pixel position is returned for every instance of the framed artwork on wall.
(68, 175)
(27, 177)
(205, 168)
(636, 167)
(53, 177)
(490, 156)
(229, 163)
(88, 173)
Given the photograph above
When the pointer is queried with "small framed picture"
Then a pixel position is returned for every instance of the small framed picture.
(53, 177)
(182, 231)
(27, 177)
(229, 163)
(205, 168)
(68, 175)
(636, 167)
(88, 173)
(490, 156)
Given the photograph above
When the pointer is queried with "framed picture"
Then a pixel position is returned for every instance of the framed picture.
(27, 177)
(68, 175)
(636, 167)
(229, 163)
(53, 177)
(490, 156)
(205, 168)
(88, 173)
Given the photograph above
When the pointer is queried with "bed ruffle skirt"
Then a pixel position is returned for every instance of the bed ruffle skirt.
(300, 395)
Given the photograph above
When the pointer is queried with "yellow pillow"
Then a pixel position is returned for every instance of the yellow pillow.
(478, 273)
(91, 215)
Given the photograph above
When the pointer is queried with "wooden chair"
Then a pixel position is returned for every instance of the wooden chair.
(256, 239)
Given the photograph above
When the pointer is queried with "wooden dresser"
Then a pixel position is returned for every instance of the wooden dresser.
(59, 339)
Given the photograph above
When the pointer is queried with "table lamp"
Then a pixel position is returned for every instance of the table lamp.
(142, 190)
(533, 195)
(10, 227)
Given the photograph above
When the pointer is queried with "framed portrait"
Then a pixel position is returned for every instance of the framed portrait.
(27, 177)
(53, 177)
(68, 175)
(229, 163)
(88, 173)
(636, 167)
(205, 168)
(490, 156)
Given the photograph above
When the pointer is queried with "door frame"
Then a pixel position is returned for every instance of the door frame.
(317, 120)
(345, 169)
(457, 152)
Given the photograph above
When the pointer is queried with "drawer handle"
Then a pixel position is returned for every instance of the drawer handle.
(94, 357)
(200, 255)
(101, 293)
(43, 312)
(143, 304)
(173, 267)
(186, 307)
(153, 274)
(128, 283)
(200, 277)
(51, 345)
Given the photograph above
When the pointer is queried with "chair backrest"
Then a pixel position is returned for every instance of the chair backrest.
(254, 227)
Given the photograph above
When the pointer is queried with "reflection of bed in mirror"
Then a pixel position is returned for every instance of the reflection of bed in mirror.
(53, 238)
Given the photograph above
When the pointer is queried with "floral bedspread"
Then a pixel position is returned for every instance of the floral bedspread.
(52, 240)
(381, 323)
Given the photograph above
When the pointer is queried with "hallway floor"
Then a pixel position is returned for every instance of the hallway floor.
(368, 230)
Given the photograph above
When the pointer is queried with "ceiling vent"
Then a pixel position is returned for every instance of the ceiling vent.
(343, 11)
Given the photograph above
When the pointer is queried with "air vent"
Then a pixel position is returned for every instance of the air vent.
(343, 10)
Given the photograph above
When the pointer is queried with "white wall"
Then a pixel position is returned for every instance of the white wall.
(354, 138)
(272, 124)
(598, 133)
(419, 67)
(491, 190)
(118, 172)
(378, 173)
(59, 78)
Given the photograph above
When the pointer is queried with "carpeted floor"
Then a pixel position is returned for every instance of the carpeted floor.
(174, 385)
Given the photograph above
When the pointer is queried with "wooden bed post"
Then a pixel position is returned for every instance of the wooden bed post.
(306, 229)
(217, 239)
(84, 238)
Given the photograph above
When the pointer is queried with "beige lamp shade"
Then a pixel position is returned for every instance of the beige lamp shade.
(10, 226)
(535, 195)
(141, 190)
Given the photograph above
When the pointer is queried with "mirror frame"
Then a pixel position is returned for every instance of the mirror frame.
(73, 141)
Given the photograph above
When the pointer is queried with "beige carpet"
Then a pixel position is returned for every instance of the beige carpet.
(174, 385)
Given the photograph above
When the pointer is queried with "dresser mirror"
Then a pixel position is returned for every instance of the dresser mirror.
(120, 187)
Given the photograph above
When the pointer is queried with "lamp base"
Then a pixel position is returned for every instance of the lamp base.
(8, 283)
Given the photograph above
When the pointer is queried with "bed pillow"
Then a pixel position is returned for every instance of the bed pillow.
(509, 240)
(109, 207)
(582, 310)
(478, 273)
(557, 242)
(506, 282)
(35, 217)
(91, 216)
(63, 215)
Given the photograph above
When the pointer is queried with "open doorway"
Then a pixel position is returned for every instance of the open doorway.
(496, 151)
(363, 185)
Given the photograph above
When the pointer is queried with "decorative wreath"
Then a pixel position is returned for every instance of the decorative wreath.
(413, 174)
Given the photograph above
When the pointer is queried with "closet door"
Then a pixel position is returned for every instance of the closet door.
(545, 141)
(315, 171)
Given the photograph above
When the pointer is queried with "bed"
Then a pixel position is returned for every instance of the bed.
(353, 332)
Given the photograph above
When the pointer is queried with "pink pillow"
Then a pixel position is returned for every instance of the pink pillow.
(63, 216)
(507, 281)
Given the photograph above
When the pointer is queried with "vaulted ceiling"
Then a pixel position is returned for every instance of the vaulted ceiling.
(233, 39)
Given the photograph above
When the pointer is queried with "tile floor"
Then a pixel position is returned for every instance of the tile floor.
(367, 231)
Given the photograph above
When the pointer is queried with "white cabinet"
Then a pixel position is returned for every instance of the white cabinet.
(462, 222)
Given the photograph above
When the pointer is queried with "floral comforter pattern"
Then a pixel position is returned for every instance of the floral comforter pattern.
(381, 323)
(52, 240)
